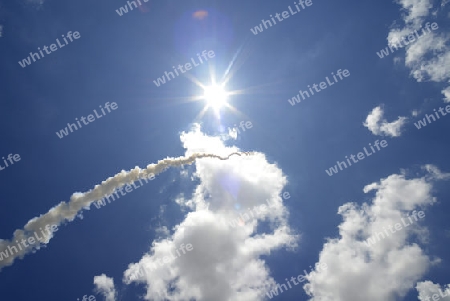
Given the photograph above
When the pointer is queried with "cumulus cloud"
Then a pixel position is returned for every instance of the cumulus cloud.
(428, 290)
(388, 269)
(66, 212)
(225, 262)
(446, 93)
(380, 127)
(429, 56)
(105, 285)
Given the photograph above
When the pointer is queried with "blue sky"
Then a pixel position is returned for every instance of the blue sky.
(117, 58)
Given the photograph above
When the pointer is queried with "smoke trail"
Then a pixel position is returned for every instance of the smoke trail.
(67, 211)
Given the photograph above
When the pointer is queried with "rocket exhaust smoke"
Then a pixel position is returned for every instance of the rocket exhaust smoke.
(67, 211)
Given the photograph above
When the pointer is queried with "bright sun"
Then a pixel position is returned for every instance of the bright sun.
(215, 96)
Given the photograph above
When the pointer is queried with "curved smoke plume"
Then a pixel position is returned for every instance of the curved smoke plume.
(66, 212)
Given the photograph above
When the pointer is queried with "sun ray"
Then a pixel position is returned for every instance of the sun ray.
(229, 72)
(214, 94)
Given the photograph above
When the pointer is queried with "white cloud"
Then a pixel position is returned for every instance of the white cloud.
(415, 10)
(436, 68)
(446, 93)
(432, 42)
(225, 262)
(380, 127)
(429, 56)
(435, 173)
(162, 231)
(428, 290)
(105, 286)
(384, 271)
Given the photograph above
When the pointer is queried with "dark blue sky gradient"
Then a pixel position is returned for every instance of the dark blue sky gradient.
(116, 60)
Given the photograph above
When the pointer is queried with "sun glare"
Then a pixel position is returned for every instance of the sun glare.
(215, 96)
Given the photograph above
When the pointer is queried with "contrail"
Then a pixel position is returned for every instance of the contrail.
(67, 211)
